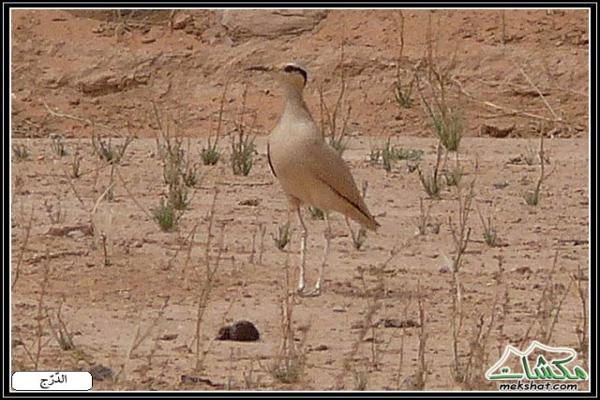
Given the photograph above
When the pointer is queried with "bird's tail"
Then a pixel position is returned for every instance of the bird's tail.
(365, 219)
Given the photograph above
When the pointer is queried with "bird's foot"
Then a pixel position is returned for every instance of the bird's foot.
(300, 288)
(312, 293)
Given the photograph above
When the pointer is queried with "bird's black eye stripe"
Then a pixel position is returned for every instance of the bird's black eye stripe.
(293, 68)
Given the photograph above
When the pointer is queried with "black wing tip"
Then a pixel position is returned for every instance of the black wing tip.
(374, 224)
(269, 159)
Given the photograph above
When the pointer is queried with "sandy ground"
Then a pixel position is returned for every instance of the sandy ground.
(113, 269)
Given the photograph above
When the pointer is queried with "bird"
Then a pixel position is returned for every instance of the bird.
(309, 170)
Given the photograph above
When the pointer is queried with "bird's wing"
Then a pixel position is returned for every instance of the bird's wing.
(326, 163)
(269, 158)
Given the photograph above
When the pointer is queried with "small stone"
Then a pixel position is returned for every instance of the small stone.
(181, 20)
(522, 270)
(250, 202)
(321, 347)
(357, 325)
(76, 234)
(100, 373)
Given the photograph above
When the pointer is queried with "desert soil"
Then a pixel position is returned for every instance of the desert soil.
(113, 272)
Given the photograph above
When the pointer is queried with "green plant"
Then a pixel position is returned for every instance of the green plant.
(432, 182)
(289, 362)
(423, 219)
(242, 144)
(177, 168)
(454, 176)
(530, 155)
(361, 379)
(408, 154)
(388, 155)
(532, 197)
(340, 144)
(391, 154)
(403, 93)
(178, 174)
(58, 145)
(190, 176)
(165, 215)
(75, 165)
(316, 213)
(211, 154)
(105, 150)
(20, 152)
(374, 154)
(448, 124)
(490, 235)
(178, 197)
(242, 153)
(287, 369)
(60, 331)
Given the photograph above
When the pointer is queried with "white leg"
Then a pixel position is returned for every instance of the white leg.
(302, 250)
(327, 235)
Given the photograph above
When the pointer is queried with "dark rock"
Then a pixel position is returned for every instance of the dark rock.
(250, 202)
(496, 131)
(100, 373)
(240, 331)
(191, 379)
(396, 323)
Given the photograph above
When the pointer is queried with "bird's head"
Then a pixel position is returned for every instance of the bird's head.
(289, 74)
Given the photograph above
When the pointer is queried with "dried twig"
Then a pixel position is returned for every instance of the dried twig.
(132, 196)
(23, 249)
(508, 111)
(556, 117)
(76, 118)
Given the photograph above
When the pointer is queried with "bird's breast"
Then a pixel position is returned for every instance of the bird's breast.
(288, 154)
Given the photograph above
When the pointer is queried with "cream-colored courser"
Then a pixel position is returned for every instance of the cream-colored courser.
(309, 170)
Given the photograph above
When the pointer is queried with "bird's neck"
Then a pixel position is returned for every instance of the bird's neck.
(295, 107)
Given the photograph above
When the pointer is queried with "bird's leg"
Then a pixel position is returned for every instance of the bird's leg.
(302, 250)
(351, 230)
(327, 235)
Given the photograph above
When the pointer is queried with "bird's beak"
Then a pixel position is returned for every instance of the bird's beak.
(263, 68)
